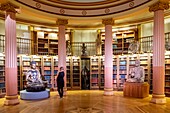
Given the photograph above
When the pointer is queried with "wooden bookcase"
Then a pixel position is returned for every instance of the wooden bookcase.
(101, 72)
(69, 76)
(19, 73)
(167, 74)
(76, 72)
(94, 72)
(115, 72)
(2, 76)
(121, 41)
(54, 71)
(47, 70)
(47, 42)
(25, 66)
(121, 71)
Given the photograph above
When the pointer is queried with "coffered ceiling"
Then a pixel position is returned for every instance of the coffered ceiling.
(83, 13)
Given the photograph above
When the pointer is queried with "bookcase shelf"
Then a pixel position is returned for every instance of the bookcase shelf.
(47, 70)
(2, 76)
(68, 66)
(76, 72)
(47, 42)
(121, 41)
(25, 66)
(94, 72)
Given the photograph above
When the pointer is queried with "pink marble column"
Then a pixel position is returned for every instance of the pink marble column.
(11, 97)
(158, 95)
(108, 84)
(62, 49)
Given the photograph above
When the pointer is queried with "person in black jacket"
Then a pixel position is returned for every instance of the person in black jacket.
(60, 81)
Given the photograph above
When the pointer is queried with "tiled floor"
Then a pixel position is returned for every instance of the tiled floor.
(87, 101)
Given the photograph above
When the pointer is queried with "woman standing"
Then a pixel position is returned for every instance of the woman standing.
(60, 81)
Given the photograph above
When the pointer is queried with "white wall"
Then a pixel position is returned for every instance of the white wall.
(147, 28)
(84, 35)
(2, 27)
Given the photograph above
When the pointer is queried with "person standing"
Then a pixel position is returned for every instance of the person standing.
(60, 81)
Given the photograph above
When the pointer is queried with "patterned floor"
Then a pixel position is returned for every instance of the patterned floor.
(85, 101)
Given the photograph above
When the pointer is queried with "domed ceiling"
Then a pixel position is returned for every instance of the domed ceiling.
(83, 13)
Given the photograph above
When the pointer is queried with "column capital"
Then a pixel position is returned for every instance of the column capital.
(62, 22)
(108, 21)
(160, 5)
(9, 7)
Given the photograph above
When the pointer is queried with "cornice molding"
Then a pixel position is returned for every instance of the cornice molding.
(159, 6)
(62, 22)
(9, 7)
(108, 21)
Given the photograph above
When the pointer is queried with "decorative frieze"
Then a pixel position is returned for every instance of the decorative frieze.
(159, 6)
(108, 21)
(9, 7)
(62, 22)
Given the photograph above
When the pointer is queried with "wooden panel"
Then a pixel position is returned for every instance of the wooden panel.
(137, 90)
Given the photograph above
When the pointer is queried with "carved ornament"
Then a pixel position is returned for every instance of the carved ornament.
(62, 22)
(159, 6)
(108, 21)
(9, 7)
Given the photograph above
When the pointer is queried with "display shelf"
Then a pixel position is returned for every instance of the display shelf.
(47, 70)
(167, 74)
(54, 71)
(101, 76)
(68, 66)
(53, 47)
(114, 72)
(19, 74)
(122, 73)
(25, 67)
(121, 41)
(94, 72)
(47, 42)
(76, 73)
(2, 76)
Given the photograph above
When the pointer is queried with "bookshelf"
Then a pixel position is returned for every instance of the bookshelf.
(94, 72)
(76, 73)
(101, 73)
(25, 66)
(122, 71)
(114, 72)
(19, 74)
(68, 66)
(54, 71)
(167, 74)
(2, 76)
(120, 41)
(47, 70)
(47, 42)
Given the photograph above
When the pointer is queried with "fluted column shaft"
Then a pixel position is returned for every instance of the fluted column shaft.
(62, 48)
(11, 97)
(158, 53)
(108, 84)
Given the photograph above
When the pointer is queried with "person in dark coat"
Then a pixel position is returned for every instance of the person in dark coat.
(60, 81)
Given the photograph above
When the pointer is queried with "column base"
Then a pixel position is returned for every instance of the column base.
(158, 99)
(108, 91)
(11, 100)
